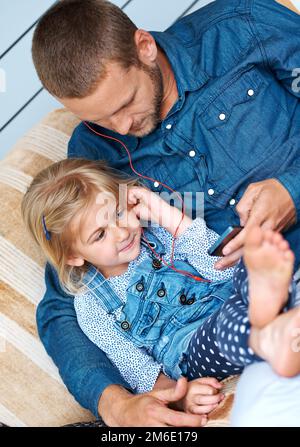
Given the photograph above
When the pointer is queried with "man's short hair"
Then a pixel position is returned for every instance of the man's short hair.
(74, 40)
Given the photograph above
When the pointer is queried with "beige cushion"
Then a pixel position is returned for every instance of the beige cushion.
(31, 391)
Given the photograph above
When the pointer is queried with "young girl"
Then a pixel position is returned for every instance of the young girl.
(151, 298)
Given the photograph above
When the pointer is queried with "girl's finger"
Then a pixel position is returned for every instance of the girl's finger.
(207, 400)
(202, 409)
(206, 390)
(212, 381)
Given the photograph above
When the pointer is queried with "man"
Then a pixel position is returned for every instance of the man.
(210, 105)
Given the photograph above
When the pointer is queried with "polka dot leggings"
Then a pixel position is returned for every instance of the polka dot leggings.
(219, 347)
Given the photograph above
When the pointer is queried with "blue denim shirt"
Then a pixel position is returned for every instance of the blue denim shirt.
(236, 121)
(163, 308)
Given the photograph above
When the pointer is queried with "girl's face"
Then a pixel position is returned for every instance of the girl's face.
(109, 236)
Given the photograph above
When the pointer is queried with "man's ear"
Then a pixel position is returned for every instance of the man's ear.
(146, 46)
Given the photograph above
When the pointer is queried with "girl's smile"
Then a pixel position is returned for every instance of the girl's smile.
(130, 245)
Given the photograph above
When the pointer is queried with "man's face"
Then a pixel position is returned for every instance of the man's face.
(126, 101)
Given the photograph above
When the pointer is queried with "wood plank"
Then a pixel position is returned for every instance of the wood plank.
(16, 17)
(21, 79)
(30, 116)
(156, 14)
(199, 5)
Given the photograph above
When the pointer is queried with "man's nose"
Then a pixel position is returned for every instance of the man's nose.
(122, 124)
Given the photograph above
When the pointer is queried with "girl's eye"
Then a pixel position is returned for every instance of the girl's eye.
(100, 235)
(120, 214)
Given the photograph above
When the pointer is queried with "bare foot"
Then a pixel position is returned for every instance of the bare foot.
(270, 263)
(279, 343)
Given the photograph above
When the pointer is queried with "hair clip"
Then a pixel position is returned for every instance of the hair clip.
(47, 233)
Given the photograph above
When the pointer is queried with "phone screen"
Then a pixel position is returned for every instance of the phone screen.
(217, 247)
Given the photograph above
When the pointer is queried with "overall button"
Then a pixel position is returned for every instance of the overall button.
(139, 287)
(125, 325)
(190, 301)
(161, 293)
(182, 299)
(156, 263)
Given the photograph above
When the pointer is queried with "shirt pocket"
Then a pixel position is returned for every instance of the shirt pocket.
(157, 174)
(246, 119)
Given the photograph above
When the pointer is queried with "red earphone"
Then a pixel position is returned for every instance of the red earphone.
(171, 266)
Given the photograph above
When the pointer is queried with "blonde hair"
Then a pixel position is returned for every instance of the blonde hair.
(57, 194)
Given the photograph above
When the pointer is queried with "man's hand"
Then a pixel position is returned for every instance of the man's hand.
(119, 408)
(267, 204)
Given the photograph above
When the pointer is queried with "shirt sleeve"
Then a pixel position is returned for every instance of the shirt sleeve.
(136, 367)
(192, 247)
(277, 29)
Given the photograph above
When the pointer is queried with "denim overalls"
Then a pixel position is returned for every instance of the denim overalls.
(163, 307)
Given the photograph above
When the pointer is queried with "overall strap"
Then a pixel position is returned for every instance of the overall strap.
(153, 241)
(99, 286)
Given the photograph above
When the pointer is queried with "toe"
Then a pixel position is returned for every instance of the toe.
(284, 245)
(289, 256)
(268, 236)
(277, 238)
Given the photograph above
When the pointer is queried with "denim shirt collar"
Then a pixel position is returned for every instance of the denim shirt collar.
(188, 73)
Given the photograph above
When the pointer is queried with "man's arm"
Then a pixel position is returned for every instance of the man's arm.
(276, 27)
(84, 368)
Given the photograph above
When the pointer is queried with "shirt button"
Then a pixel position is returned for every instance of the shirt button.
(156, 184)
(211, 192)
(139, 287)
(192, 153)
(222, 116)
(161, 293)
(232, 202)
(182, 299)
(125, 325)
(169, 126)
(190, 301)
(250, 92)
(156, 263)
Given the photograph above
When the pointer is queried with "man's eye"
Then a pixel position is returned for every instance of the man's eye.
(100, 235)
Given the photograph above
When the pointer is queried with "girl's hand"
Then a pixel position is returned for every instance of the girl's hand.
(147, 205)
(203, 396)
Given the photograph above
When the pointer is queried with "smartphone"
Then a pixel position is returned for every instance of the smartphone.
(217, 247)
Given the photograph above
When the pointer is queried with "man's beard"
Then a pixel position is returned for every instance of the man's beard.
(152, 120)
